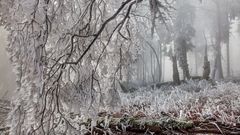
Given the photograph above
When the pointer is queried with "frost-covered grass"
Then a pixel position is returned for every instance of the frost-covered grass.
(195, 100)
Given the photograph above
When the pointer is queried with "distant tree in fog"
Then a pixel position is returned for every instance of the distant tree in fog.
(223, 12)
(184, 32)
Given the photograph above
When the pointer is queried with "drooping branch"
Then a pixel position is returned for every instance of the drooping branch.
(53, 44)
(102, 28)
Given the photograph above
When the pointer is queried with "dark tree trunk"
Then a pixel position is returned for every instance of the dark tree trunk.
(176, 78)
(227, 36)
(219, 69)
(206, 67)
(185, 68)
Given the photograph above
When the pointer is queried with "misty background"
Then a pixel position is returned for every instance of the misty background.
(202, 23)
(7, 77)
(205, 18)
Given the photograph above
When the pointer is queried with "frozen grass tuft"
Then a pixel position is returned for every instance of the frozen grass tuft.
(195, 100)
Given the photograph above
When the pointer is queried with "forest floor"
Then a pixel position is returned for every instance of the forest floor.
(190, 108)
(194, 107)
(214, 105)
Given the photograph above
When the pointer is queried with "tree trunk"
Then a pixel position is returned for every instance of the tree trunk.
(143, 71)
(228, 56)
(176, 79)
(219, 69)
(185, 68)
(227, 36)
(152, 68)
(160, 63)
(196, 63)
(163, 68)
(206, 67)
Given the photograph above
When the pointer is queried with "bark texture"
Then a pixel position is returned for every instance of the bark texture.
(176, 78)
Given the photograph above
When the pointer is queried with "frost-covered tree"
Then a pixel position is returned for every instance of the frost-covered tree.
(230, 12)
(220, 15)
(184, 34)
(66, 57)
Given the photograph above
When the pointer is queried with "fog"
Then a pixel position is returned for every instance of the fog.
(7, 77)
(235, 49)
(212, 25)
(204, 22)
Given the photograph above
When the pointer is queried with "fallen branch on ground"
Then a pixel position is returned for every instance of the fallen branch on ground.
(162, 126)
